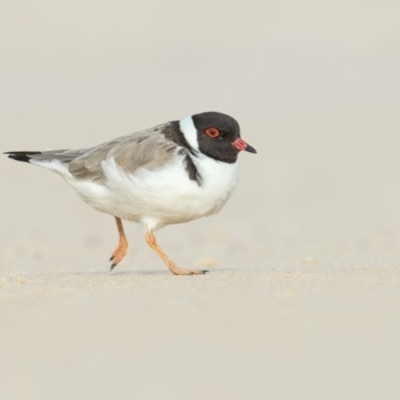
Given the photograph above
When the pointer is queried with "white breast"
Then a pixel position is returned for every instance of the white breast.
(160, 197)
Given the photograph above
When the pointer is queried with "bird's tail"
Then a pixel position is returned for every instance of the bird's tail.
(53, 160)
(24, 156)
(64, 156)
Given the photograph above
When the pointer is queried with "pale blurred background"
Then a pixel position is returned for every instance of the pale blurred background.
(315, 87)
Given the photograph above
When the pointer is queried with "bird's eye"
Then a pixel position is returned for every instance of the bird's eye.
(212, 132)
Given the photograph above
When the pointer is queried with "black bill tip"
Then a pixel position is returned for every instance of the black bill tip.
(250, 149)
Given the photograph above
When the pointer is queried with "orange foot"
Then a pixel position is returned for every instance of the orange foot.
(151, 240)
(180, 271)
(119, 253)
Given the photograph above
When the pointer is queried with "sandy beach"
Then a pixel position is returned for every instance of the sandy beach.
(302, 300)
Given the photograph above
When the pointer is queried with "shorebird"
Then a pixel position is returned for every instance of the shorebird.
(169, 174)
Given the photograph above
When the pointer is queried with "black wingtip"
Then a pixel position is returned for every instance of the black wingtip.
(23, 156)
(19, 157)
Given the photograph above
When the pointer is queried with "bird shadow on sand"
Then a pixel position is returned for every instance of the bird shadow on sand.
(116, 273)
(166, 272)
(102, 273)
(138, 272)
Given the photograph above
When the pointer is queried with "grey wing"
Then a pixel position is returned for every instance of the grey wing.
(146, 149)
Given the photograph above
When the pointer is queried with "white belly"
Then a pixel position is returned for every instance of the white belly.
(160, 197)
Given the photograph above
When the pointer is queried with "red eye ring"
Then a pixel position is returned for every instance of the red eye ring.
(212, 132)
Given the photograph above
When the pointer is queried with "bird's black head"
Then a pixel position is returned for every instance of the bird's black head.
(214, 134)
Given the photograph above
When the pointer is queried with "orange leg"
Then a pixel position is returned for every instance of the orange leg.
(120, 251)
(151, 241)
